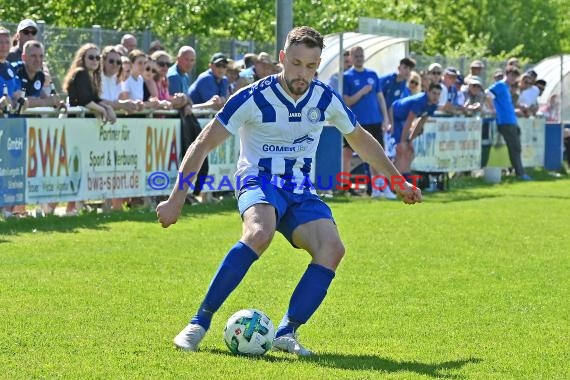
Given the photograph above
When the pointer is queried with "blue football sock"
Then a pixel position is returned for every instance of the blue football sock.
(306, 298)
(230, 273)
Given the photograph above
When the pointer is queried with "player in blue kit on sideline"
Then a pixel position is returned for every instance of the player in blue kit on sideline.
(287, 110)
(408, 117)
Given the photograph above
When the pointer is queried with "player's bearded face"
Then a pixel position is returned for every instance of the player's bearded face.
(299, 66)
(297, 86)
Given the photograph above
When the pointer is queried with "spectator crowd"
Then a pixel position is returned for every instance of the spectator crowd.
(122, 79)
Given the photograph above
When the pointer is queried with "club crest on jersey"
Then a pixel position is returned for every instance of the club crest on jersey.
(370, 80)
(314, 114)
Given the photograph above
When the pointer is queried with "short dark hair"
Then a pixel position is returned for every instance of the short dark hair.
(514, 71)
(304, 35)
(540, 82)
(434, 85)
(346, 53)
(410, 62)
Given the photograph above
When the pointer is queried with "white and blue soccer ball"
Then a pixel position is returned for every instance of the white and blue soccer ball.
(249, 332)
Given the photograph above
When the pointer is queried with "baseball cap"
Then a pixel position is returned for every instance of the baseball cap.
(434, 67)
(451, 71)
(264, 57)
(27, 23)
(218, 57)
(475, 79)
(477, 64)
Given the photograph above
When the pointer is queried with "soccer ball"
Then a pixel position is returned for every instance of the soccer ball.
(249, 332)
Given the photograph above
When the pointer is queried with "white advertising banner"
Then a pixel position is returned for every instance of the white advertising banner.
(80, 159)
(532, 144)
(448, 145)
(532, 141)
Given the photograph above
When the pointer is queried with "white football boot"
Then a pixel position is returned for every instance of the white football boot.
(290, 343)
(190, 337)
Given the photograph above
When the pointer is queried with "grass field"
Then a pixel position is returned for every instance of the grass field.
(473, 283)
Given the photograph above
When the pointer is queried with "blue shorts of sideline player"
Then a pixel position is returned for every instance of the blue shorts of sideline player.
(291, 209)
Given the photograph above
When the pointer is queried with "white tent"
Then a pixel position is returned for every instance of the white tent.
(382, 54)
(555, 71)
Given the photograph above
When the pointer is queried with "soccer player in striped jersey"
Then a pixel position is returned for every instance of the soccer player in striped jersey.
(279, 120)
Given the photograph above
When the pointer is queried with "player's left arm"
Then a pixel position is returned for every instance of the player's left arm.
(384, 109)
(371, 151)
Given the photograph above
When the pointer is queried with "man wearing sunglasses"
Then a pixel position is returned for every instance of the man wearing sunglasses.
(27, 31)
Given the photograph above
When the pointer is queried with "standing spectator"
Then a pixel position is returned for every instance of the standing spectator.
(475, 98)
(211, 86)
(434, 72)
(249, 60)
(7, 75)
(83, 86)
(110, 85)
(133, 87)
(179, 83)
(541, 84)
(475, 69)
(150, 89)
(362, 92)
(129, 42)
(347, 64)
(8, 79)
(459, 83)
(426, 80)
(406, 127)
(163, 62)
(179, 74)
(394, 85)
(513, 63)
(234, 80)
(448, 101)
(155, 45)
(262, 68)
(527, 103)
(415, 83)
(507, 120)
(27, 30)
(125, 69)
(30, 75)
(83, 83)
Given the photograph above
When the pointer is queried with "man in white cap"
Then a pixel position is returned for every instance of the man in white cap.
(434, 72)
(27, 31)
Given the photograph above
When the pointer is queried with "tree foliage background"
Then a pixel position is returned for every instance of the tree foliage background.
(530, 29)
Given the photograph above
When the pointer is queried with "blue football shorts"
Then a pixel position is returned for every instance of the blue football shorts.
(291, 210)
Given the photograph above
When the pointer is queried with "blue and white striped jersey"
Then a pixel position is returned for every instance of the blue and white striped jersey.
(279, 136)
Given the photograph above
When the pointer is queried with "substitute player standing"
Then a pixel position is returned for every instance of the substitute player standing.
(279, 120)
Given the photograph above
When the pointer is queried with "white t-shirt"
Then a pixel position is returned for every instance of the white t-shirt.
(529, 96)
(134, 87)
(110, 88)
(279, 136)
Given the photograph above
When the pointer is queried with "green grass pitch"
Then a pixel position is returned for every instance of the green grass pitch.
(471, 284)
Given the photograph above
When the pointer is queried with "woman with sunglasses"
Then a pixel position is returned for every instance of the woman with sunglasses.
(83, 86)
(414, 84)
(110, 85)
(83, 83)
(133, 87)
(163, 61)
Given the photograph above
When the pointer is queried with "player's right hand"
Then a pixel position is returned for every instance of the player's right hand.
(167, 213)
